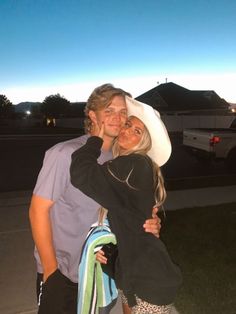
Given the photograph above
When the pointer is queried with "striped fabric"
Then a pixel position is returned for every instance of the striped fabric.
(96, 288)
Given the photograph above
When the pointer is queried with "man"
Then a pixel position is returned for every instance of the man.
(61, 215)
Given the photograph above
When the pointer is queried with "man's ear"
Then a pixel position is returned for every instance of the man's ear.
(92, 116)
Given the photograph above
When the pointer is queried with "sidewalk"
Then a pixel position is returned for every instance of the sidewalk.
(17, 277)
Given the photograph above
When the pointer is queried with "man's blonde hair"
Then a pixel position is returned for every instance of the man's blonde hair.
(101, 98)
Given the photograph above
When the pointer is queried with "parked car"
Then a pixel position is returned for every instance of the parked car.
(213, 144)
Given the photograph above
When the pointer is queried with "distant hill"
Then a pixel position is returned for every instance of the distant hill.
(27, 105)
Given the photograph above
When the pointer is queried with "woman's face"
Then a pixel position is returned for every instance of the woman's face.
(131, 133)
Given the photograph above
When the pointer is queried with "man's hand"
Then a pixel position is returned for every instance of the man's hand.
(46, 274)
(153, 225)
(100, 257)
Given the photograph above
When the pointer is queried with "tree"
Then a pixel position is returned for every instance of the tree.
(6, 107)
(55, 106)
(36, 111)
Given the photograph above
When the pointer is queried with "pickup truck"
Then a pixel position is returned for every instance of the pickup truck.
(213, 144)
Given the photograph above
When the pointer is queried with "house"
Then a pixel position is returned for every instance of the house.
(232, 107)
(170, 98)
(182, 108)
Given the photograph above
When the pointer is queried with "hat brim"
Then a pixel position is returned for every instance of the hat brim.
(161, 145)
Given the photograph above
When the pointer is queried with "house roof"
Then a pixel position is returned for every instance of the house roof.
(172, 97)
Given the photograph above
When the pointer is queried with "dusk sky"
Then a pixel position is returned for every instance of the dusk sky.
(72, 46)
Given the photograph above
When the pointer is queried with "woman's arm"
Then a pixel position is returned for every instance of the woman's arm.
(97, 182)
(107, 183)
(89, 176)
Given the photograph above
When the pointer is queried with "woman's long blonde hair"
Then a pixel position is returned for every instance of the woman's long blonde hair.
(142, 148)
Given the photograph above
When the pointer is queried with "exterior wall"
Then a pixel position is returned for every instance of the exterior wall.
(173, 123)
(179, 123)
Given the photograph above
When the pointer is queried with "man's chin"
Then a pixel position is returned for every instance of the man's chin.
(112, 133)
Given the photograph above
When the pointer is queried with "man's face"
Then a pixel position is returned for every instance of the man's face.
(114, 116)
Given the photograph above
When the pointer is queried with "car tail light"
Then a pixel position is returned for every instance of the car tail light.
(214, 140)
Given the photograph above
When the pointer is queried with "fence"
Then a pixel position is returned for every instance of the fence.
(173, 123)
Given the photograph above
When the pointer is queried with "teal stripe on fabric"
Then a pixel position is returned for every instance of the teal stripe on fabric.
(95, 288)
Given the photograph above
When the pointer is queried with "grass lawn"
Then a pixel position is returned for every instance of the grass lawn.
(200, 182)
(202, 241)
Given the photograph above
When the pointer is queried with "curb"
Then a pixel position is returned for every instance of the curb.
(178, 199)
(200, 197)
(15, 198)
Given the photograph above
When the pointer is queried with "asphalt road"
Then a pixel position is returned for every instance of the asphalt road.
(21, 159)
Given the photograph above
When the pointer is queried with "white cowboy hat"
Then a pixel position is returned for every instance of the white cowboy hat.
(161, 145)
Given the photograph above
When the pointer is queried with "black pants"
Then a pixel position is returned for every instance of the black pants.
(58, 295)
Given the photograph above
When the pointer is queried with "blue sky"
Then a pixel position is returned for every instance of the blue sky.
(70, 47)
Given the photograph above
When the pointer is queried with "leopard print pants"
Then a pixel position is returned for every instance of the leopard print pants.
(144, 307)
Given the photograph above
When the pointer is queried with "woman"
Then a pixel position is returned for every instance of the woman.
(129, 186)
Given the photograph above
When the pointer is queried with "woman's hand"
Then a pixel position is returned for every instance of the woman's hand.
(101, 132)
(97, 130)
